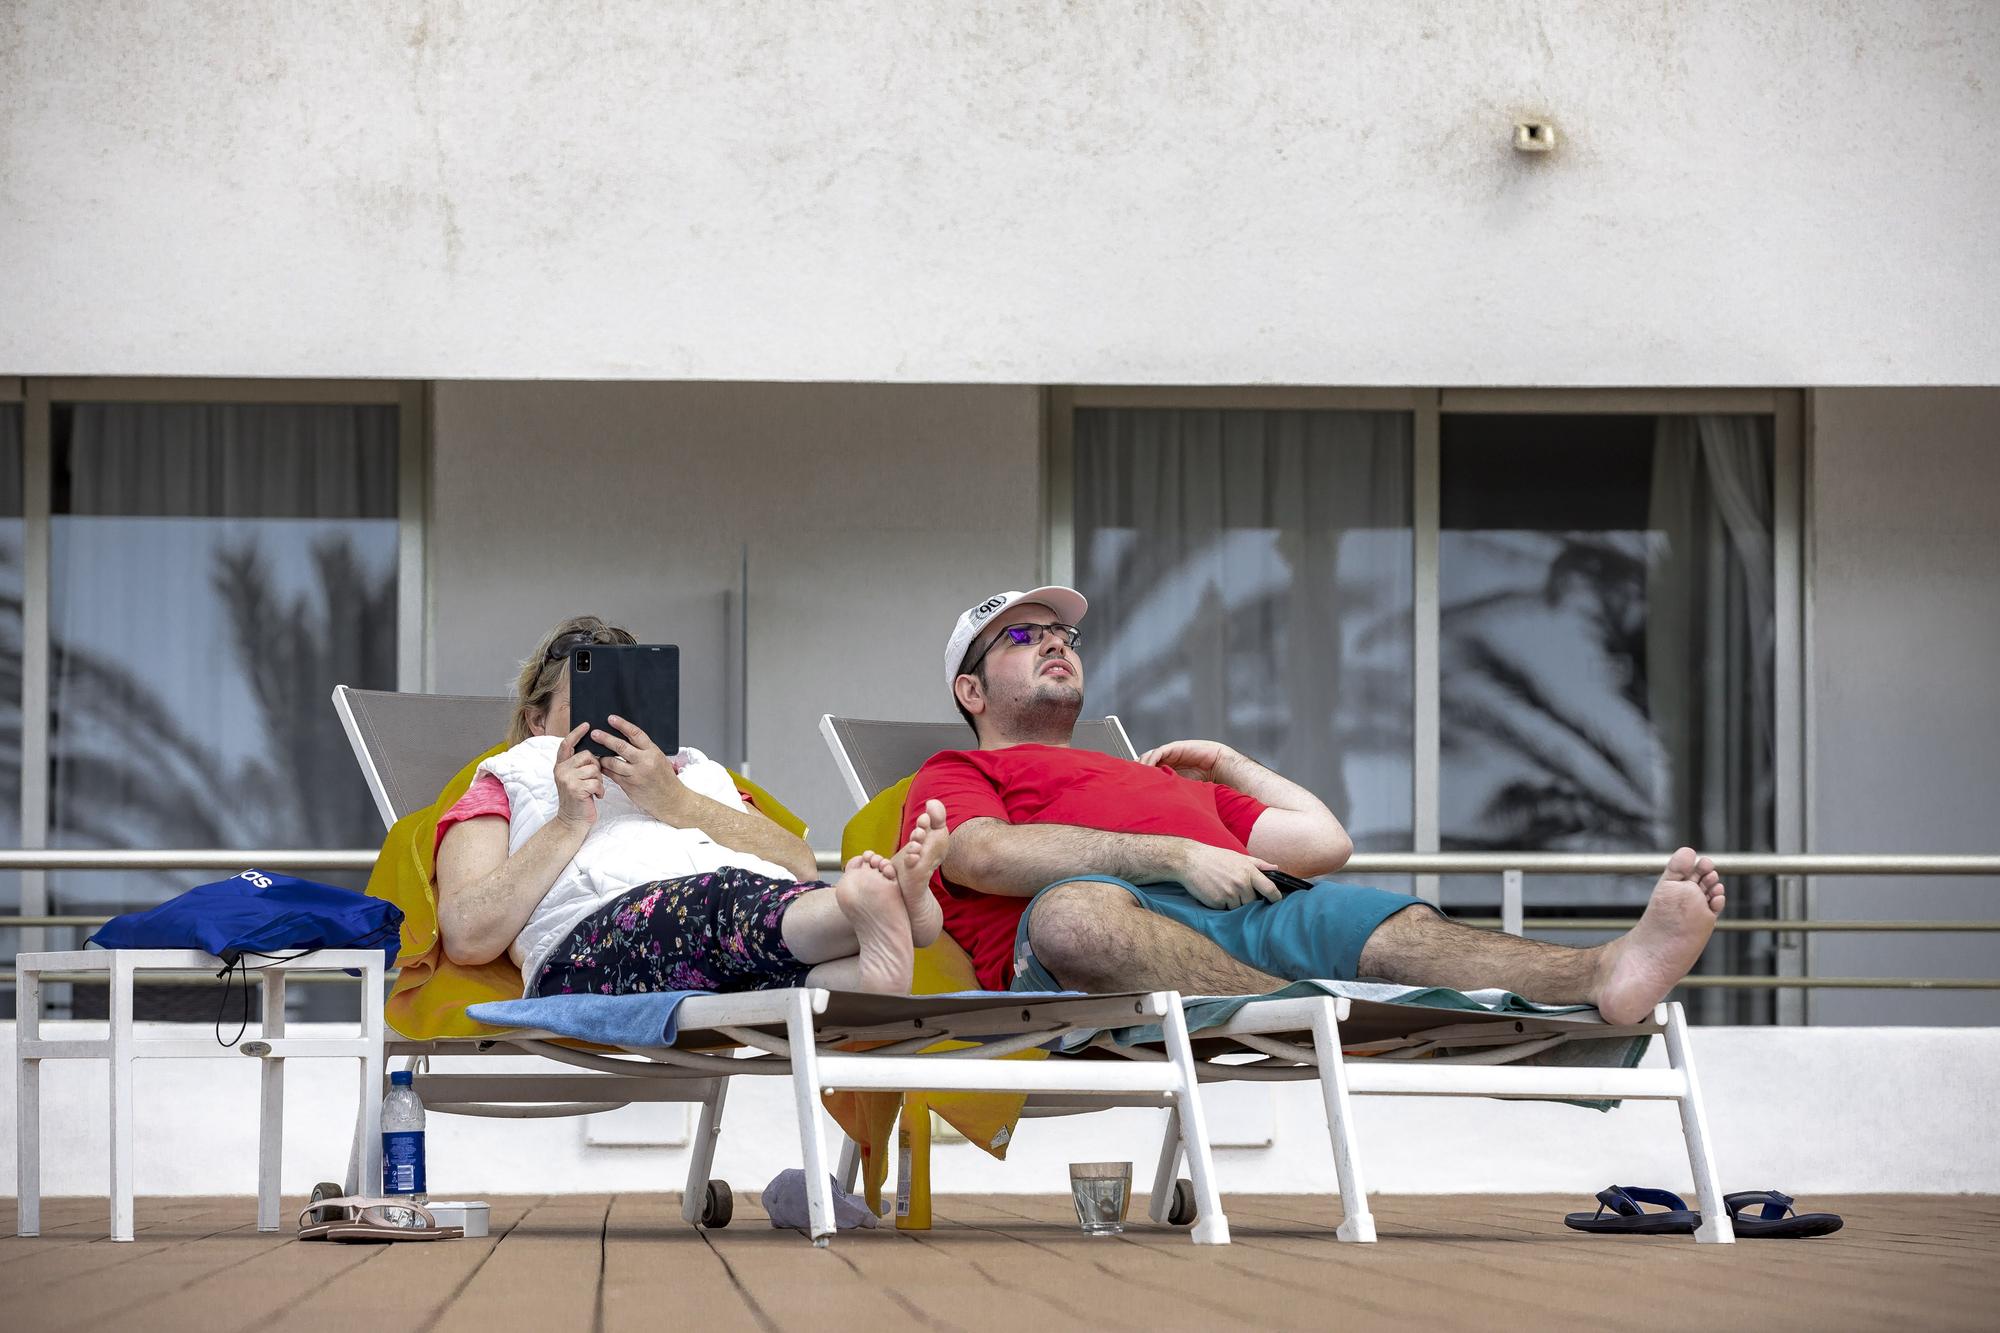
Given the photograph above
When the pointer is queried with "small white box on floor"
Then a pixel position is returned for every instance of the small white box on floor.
(456, 1213)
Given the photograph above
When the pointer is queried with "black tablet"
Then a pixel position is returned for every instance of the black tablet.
(640, 682)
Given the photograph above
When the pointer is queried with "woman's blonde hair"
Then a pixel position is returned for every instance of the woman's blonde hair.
(544, 669)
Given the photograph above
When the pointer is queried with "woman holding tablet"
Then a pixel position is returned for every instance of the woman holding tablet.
(646, 871)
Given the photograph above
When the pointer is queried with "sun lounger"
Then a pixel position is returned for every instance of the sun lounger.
(805, 1034)
(409, 747)
(1354, 1039)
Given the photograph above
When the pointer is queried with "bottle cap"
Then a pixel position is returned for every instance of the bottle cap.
(400, 1079)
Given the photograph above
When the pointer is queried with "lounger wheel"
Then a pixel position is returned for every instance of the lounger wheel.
(718, 1205)
(326, 1189)
(1182, 1211)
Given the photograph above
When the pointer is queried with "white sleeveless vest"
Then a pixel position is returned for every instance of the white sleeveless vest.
(625, 848)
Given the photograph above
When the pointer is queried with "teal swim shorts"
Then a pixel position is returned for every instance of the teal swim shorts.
(1315, 933)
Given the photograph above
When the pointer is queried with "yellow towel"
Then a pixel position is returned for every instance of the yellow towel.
(985, 1118)
(431, 994)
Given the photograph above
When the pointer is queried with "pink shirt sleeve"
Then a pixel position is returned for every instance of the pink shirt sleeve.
(486, 796)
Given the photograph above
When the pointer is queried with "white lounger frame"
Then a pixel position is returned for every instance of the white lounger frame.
(1294, 1038)
(1274, 1029)
(797, 1038)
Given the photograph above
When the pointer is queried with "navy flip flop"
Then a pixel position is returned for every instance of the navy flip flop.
(1627, 1218)
(1776, 1220)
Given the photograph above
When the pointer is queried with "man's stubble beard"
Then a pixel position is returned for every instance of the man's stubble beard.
(1049, 710)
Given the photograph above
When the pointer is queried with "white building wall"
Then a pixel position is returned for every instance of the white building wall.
(1744, 191)
(872, 515)
(1905, 695)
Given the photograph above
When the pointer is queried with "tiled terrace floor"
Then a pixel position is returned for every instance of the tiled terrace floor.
(1005, 1263)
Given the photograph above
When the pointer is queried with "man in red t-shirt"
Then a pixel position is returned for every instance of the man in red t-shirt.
(1075, 870)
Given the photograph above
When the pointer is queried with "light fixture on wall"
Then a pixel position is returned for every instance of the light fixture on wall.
(1534, 136)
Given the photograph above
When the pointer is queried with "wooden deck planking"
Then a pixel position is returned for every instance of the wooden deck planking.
(1039, 1242)
(1021, 1275)
(796, 1286)
(1001, 1263)
(127, 1279)
(543, 1273)
(654, 1279)
(404, 1286)
(1865, 1282)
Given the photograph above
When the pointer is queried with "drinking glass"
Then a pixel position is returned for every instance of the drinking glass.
(1102, 1191)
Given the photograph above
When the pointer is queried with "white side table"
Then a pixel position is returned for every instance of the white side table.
(121, 1048)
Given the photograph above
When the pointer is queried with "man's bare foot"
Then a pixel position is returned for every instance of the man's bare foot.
(873, 905)
(1637, 969)
(914, 864)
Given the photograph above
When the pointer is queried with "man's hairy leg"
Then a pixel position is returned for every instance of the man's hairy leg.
(1624, 978)
(1420, 947)
(1093, 936)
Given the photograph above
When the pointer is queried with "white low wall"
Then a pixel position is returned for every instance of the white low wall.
(1810, 1111)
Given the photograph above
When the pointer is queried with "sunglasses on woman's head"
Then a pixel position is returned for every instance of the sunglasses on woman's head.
(583, 638)
(1025, 635)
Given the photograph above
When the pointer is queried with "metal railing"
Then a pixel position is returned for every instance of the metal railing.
(1510, 867)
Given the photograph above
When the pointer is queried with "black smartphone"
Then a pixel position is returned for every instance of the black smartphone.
(1286, 883)
(640, 682)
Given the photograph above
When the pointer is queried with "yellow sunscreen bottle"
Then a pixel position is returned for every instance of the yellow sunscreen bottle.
(913, 1164)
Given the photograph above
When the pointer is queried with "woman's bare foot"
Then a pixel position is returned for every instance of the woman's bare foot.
(1637, 969)
(915, 862)
(873, 905)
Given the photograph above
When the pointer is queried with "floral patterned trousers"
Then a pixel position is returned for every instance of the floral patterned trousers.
(714, 932)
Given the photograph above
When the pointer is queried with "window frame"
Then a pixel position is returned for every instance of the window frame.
(412, 399)
(1791, 565)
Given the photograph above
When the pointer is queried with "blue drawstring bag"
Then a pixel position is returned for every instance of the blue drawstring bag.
(263, 915)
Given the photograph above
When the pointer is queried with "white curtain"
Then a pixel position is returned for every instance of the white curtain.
(10, 467)
(1250, 581)
(10, 672)
(1711, 662)
(10, 637)
(1710, 652)
(203, 460)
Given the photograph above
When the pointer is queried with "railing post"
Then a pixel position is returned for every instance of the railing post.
(1792, 957)
(1510, 901)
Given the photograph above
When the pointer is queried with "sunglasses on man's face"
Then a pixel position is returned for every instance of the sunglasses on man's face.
(1026, 635)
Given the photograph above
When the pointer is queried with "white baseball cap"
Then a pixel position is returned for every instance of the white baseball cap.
(1068, 604)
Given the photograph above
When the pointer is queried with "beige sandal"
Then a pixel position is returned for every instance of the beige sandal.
(360, 1218)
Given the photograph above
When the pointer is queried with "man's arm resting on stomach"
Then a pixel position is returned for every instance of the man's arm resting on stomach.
(1018, 860)
(1296, 833)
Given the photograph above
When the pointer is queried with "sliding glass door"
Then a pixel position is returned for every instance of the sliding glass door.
(1591, 603)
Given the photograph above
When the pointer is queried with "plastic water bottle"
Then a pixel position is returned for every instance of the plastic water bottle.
(403, 1140)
